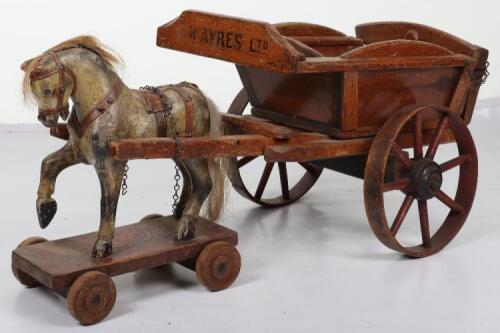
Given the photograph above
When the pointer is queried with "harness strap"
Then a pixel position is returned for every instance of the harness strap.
(188, 107)
(101, 107)
(154, 105)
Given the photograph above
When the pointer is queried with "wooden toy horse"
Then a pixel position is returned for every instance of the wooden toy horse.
(104, 109)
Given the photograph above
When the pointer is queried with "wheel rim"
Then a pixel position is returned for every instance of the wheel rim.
(218, 265)
(91, 297)
(288, 194)
(419, 179)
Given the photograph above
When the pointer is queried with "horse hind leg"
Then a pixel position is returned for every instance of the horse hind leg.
(110, 175)
(201, 183)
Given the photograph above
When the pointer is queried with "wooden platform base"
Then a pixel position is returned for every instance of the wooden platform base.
(66, 264)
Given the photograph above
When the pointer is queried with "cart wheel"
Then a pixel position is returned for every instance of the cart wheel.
(288, 193)
(91, 297)
(420, 179)
(218, 265)
(21, 276)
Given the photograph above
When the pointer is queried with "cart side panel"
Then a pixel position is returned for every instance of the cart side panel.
(382, 93)
(313, 98)
(382, 31)
(346, 104)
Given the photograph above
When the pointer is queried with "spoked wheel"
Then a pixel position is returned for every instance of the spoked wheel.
(419, 179)
(289, 192)
(21, 276)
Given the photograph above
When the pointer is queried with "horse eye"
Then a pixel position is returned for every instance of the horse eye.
(47, 92)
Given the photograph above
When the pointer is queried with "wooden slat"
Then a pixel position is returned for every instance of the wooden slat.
(254, 125)
(241, 41)
(194, 147)
(350, 101)
(324, 149)
(317, 150)
(338, 64)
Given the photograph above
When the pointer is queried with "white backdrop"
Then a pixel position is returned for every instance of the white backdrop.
(28, 27)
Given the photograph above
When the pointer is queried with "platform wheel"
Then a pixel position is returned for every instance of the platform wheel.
(21, 276)
(91, 297)
(419, 178)
(289, 192)
(218, 265)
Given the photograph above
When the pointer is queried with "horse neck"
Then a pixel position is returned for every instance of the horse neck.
(94, 80)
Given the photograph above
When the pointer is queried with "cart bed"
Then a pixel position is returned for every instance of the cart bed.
(318, 79)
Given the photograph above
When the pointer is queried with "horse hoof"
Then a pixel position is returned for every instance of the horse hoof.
(46, 211)
(102, 249)
(185, 229)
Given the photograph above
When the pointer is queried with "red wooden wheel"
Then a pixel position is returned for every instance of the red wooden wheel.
(218, 265)
(289, 192)
(419, 178)
(91, 297)
(21, 276)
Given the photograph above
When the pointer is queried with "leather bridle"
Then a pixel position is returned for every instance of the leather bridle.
(59, 91)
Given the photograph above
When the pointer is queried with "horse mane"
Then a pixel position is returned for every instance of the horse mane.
(107, 55)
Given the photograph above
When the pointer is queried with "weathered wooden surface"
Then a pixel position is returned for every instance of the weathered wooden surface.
(331, 148)
(146, 244)
(254, 125)
(237, 40)
(195, 147)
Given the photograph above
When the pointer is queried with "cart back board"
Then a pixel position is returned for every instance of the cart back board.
(318, 79)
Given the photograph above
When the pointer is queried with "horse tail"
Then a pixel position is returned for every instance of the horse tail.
(216, 166)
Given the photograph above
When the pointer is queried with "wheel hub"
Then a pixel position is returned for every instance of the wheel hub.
(426, 179)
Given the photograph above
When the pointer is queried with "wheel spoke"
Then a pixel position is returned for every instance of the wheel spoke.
(398, 184)
(455, 162)
(285, 191)
(401, 156)
(434, 144)
(263, 180)
(245, 160)
(452, 204)
(418, 146)
(424, 223)
(403, 210)
(309, 168)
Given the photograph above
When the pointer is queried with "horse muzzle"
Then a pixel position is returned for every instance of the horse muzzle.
(50, 117)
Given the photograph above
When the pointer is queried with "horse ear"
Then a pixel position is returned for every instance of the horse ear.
(24, 65)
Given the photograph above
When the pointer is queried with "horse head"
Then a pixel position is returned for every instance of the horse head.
(51, 85)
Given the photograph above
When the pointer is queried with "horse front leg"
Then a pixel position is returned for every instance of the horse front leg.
(110, 175)
(201, 183)
(52, 165)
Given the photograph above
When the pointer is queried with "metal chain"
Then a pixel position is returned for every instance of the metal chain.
(167, 107)
(486, 73)
(177, 176)
(124, 180)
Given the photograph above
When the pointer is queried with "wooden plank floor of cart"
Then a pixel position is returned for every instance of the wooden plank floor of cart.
(146, 244)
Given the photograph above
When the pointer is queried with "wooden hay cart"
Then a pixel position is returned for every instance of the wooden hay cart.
(322, 99)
